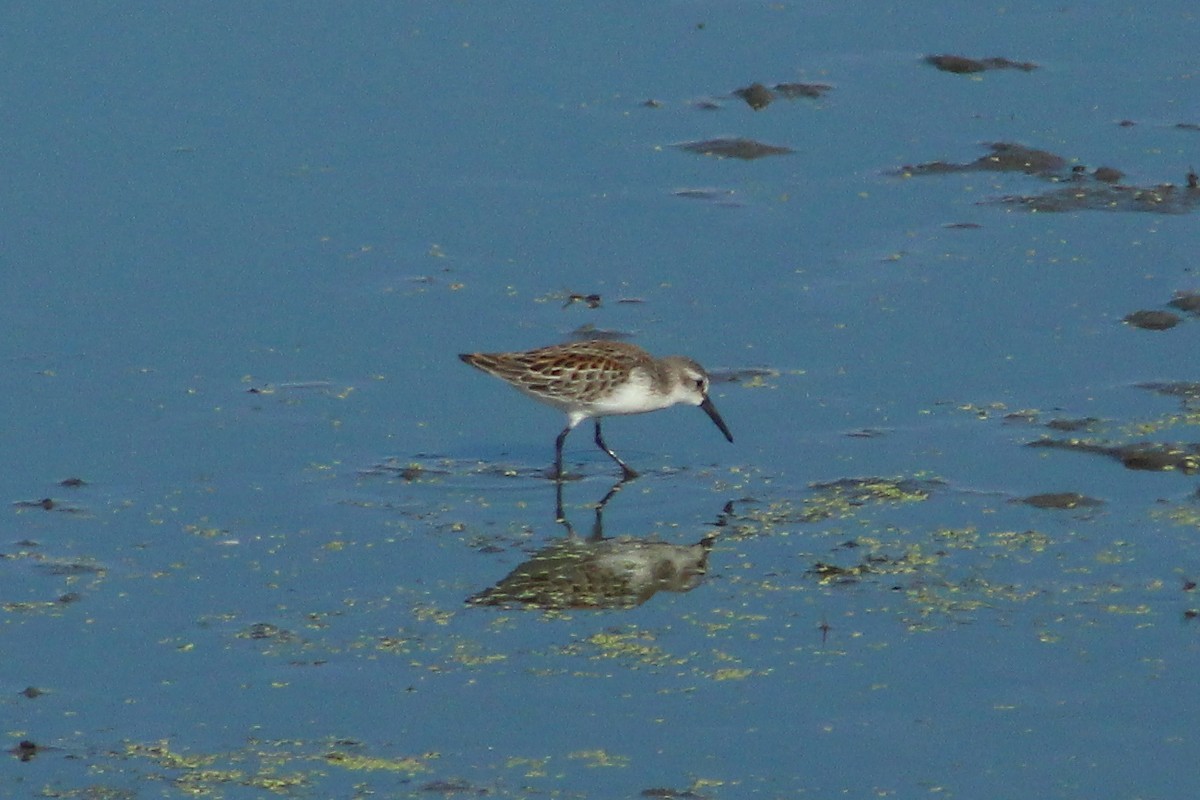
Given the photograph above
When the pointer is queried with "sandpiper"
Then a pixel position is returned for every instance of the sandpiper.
(600, 378)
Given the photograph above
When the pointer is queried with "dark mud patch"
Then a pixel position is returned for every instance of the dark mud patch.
(962, 65)
(1159, 320)
(673, 794)
(1188, 392)
(745, 149)
(796, 91)
(1062, 424)
(1088, 193)
(1004, 157)
(1099, 189)
(47, 504)
(26, 750)
(69, 568)
(1073, 425)
(455, 786)
(1146, 456)
(1187, 302)
(1152, 320)
(1179, 126)
(1063, 501)
(758, 96)
(411, 471)
(593, 300)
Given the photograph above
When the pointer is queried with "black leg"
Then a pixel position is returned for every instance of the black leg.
(559, 516)
(558, 446)
(625, 470)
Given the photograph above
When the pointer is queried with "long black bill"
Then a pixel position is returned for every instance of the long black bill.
(711, 410)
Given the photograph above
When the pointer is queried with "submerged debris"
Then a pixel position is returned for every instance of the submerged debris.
(454, 786)
(722, 197)
(672, 794)
(746, 149)
(1071, 425)
(962, 65)
(266, 630)
(26, 749)
(792, 91)
(46, 504)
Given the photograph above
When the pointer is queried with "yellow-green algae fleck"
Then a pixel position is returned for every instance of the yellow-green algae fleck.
(599, 758)
(412, 765)
(533, 767)
(630, 644)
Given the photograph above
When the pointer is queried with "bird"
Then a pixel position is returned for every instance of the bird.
(600, 378)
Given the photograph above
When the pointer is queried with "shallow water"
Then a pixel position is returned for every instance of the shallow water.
(244, 249)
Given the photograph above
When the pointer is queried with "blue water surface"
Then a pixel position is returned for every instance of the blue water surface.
(244, 244)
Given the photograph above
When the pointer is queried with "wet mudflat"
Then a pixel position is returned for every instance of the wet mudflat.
(267, 536)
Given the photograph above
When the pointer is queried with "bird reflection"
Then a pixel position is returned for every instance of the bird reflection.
(600, 573)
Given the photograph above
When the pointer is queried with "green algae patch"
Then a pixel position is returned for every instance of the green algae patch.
(409, 765)
(839, 499)
(599, 758)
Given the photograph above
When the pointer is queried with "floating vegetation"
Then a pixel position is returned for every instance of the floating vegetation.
(265, 630)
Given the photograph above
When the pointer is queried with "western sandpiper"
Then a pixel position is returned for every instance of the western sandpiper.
(599, 379)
